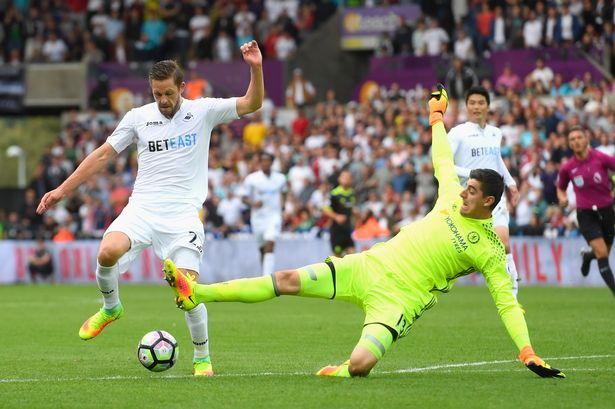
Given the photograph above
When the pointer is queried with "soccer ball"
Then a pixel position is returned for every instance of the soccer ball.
(157, 351)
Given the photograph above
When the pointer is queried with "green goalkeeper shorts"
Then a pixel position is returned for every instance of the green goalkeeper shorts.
(365, 282)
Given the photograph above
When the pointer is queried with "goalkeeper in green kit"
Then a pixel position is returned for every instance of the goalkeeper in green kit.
(396, 281)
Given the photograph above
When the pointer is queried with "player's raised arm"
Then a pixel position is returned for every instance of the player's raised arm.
(441, 152)
(91, 165)
(256, 89)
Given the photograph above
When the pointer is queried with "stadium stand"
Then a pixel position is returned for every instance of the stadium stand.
(540, 89)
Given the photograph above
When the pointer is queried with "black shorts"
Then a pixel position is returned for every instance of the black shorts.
(341, 240)
(597, 223)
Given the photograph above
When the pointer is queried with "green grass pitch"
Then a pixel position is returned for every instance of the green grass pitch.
(458, 355)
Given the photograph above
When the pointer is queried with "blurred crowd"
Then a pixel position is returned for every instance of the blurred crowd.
(145, 30)
(384, 142)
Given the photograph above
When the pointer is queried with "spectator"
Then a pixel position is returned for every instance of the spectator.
(459, 79)
(567, 28)
(54, 48)
(498, 32)
(435, 38)
(40, 263)
(549, 24)
(463, 48)
(532, 31)
(418, 38)
(223, 47)
(244, 25)
(402, 38)
(300, 91)
(508, 80)
(285, 46)
(542, 74)
(255, 132)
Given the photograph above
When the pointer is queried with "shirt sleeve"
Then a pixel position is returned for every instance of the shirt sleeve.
(563, 177)
(454, 139)
(508, 179)
(500, 287)
(124, 134)
(444, 166)
(221, 110)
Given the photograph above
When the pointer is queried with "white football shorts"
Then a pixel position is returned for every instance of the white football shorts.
(267, 229)
(500, 214)
(174, 232)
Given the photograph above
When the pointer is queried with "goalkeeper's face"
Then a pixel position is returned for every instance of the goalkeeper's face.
(475, 204)
(167, 95)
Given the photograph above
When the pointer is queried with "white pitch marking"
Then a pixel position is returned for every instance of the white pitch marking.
(255, 374)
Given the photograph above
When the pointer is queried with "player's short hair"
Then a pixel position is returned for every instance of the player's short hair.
(576, 128)
(163, 70)
(264, 155)
(491, 183)
(478, 90)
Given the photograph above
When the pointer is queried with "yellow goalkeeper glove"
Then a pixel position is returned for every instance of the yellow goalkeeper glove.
(437, 105)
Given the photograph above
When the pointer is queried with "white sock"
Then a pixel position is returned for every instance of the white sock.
(107, 279)
(268, 262)
(196, 319)
(511, 269)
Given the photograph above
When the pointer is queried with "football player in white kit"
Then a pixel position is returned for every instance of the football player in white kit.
(172, 137)
(265, 193)
(476, 145)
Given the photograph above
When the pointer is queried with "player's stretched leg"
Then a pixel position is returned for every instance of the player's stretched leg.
(375, 340)
(315, 280)
(112, 247)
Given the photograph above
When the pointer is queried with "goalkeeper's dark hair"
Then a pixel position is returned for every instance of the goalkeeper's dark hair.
(491, 183)
(163, 70)
(478, 90)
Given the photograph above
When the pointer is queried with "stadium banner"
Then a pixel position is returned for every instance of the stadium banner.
(129, 88)
(362, 28)
(539, 261)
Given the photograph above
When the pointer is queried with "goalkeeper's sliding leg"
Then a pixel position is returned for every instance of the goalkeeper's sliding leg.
(315, 280)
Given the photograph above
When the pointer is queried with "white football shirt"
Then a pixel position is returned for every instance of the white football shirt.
(267, 189)
(172, 153)
(475, 147)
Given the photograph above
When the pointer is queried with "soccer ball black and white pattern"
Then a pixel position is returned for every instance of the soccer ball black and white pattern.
(157, 351)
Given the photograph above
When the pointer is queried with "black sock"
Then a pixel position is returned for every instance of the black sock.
(606, 273)
(590, 255)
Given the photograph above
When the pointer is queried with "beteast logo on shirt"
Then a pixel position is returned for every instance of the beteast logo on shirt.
(173, 143)
(154, 123)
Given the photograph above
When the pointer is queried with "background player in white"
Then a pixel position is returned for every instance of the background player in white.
(265, 193)
(172, 136)
(476, 145)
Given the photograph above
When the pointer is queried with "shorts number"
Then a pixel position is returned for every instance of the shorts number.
(403, 326)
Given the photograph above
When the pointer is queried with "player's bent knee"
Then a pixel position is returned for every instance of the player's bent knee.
(109, 255)
(288, 282)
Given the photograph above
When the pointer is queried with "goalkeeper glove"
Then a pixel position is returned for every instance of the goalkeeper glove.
(437, 105)
(535, 364)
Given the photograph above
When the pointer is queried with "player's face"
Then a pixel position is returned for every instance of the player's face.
(474, 203)
(477, 108)
(345, 179)
(578, 142)
(266, 163)
(167, 96)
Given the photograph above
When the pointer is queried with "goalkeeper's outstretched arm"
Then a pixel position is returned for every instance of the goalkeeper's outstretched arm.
(441, 152)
